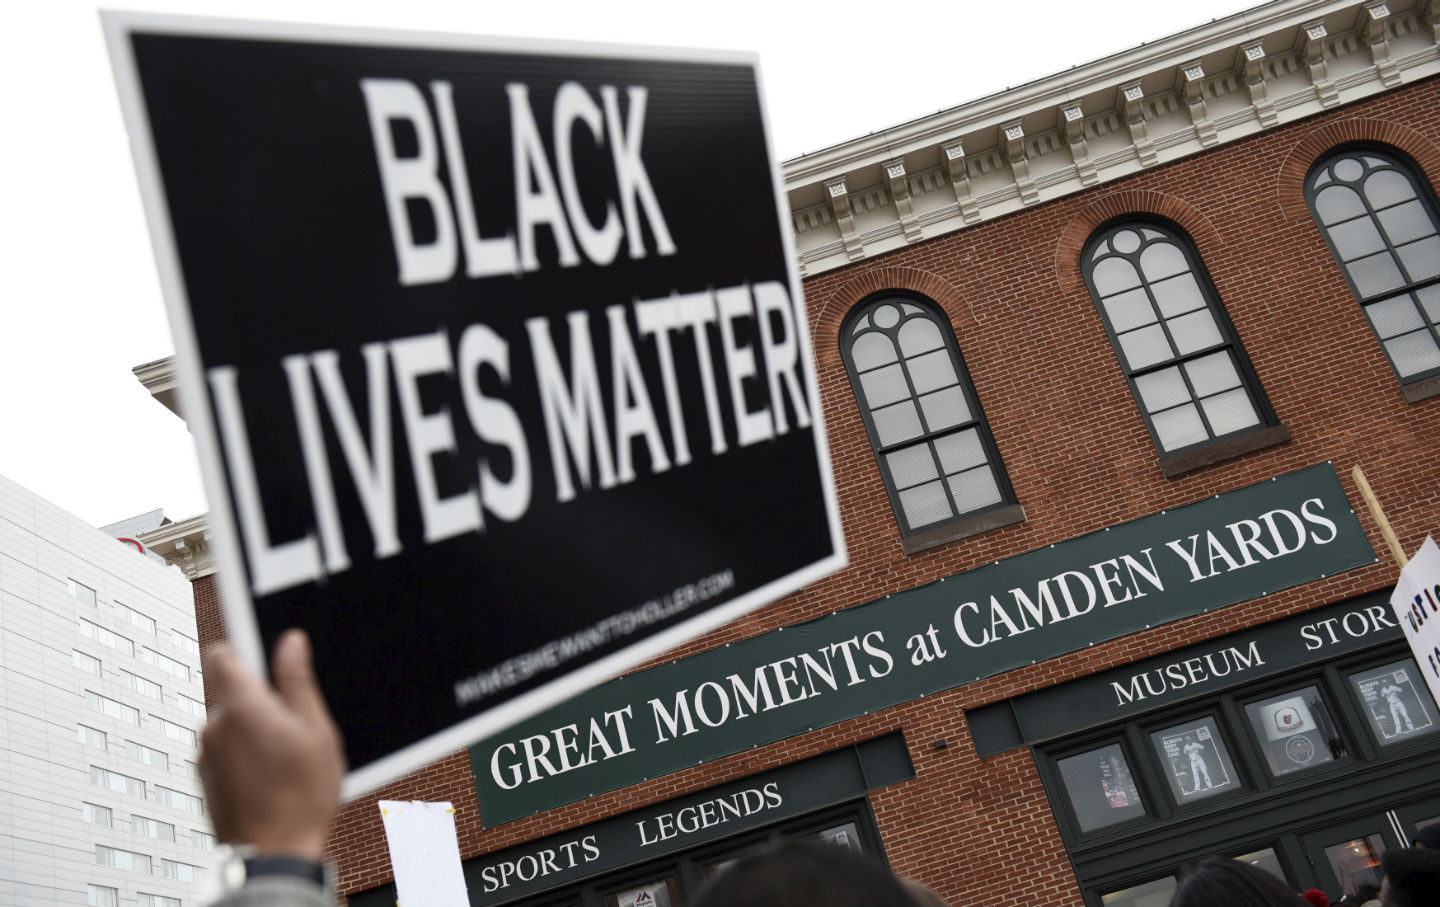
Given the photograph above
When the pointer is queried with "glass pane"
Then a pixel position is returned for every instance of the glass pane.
(659, 893)
(1100, 788)
(974, 489)
(1356, 239)
(1195, 331)
(1145, 347)
(1212, 373)
(920, 335)
(1147, 894)
(1162, 389)
(1395, 708)
(961, 450)
(1357, 863)
(871, 350)
(1198, 765)
(1129, 310)
(1338, 203)
(1162, 259)
(846, 836)
(945, 409)
(925, 504)
(1413, 354)
(911, 466)
(1230, 411)
(1267, 860)
(1177, 295)
(1179, 427)
(1387, 187)
(1406, 222)
(886, 316)
(1374, 275)
(884, 386)
(1113, 275)
(1430, 302)
(1320, 179)
(897, 423)
(1349, 169)
(1295, 731)
(1421, 259)
(932, 371)
(1396, 315)
(1126, 241)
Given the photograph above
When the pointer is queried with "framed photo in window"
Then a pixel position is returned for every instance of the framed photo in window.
(1394, 708)
(1196, 760)
(1295, 731)
(1101, 787)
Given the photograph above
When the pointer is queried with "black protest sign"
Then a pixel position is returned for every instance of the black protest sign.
(494, 355)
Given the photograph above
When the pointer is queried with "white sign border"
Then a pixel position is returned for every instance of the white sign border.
(238, 607)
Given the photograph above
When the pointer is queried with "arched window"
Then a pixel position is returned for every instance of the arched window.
(1380, 219)
(927, 429)
(1186, 367)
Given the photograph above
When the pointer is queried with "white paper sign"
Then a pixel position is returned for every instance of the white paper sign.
(424, 853)
(1416, 601)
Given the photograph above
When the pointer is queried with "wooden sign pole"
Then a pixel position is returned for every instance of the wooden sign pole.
(1385, 529)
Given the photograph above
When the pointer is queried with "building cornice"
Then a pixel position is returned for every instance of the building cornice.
(158, 377)
(185, 544)
(1221, 82)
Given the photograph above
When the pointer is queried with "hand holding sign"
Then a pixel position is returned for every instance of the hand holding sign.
(271, 759)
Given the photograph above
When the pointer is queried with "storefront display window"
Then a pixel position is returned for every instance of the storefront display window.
(1196, 761)
(1156, 893)
(1395, 709)
(1295, 731)
(1267, 860)
(1357, 863)
(1101, 788)
(846, 835)
(655, 893)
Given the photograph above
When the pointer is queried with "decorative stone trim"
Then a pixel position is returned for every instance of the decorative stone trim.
(185, 544)
(1104, 121)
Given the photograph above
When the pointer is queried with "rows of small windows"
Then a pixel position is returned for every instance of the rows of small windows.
(130, 861)
(113, 708)
(1182, 358)
(104, 816)
(139, 684)
(140, 621)
(139, 752)
(120, 783)
(106, 896)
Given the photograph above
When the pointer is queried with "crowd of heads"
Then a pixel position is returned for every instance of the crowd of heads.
(805, 874)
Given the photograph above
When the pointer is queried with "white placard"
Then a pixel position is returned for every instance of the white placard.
(1416, 601)
(424, 854)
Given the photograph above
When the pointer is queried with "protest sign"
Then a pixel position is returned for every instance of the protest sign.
(493, 351)
(1416, 601)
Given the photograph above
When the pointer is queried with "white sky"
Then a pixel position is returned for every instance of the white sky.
(80, 301)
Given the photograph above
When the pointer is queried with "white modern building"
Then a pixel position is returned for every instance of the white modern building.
(101, 704)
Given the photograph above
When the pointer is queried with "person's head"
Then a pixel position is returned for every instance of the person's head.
(1412, 877)
(804, 875)
(1218, 882)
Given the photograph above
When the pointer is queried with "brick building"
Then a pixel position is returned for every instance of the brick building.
(1097, 358)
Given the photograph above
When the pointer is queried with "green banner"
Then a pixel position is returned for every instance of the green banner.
(1173, 564)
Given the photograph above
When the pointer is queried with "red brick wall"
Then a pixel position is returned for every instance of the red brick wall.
(1079, 457)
